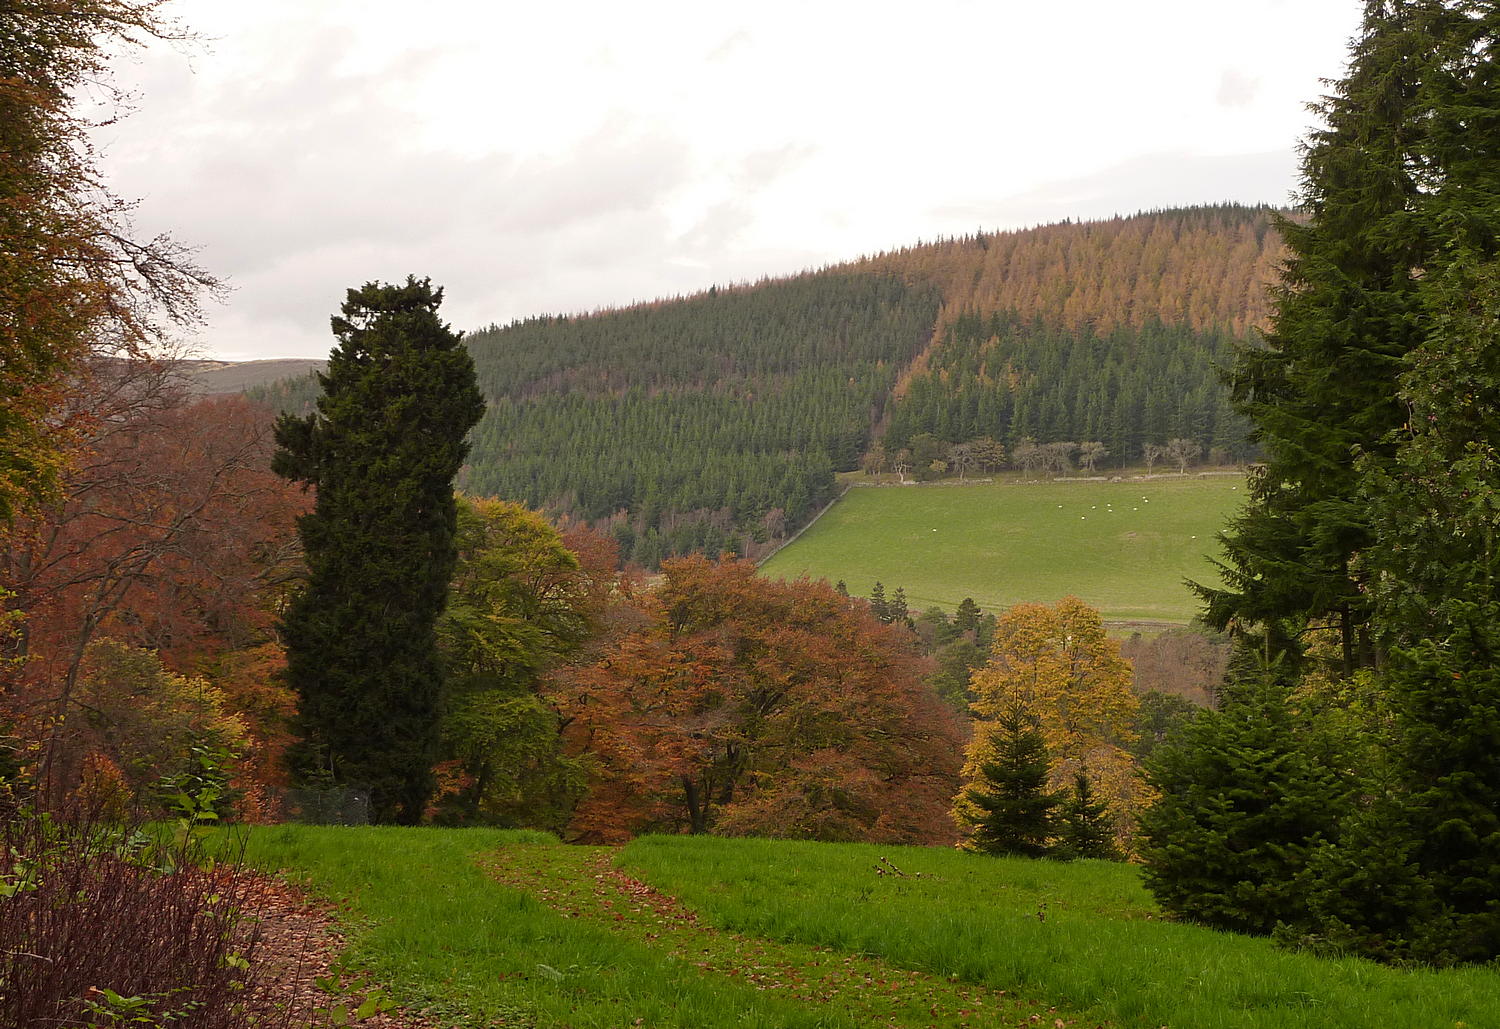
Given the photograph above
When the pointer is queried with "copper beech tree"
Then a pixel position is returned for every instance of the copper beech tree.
(742, 705)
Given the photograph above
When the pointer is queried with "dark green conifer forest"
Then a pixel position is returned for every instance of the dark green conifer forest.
(717, 422)
(1012, 379)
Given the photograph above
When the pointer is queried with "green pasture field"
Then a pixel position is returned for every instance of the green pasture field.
(487, 928)
(1124, 547)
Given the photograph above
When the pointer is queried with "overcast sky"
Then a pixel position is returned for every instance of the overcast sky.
(554, 157)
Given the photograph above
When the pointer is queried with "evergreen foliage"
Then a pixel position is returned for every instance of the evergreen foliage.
(1246, 796)
(1018, 380)
(708, 424)
(381, 450)
(1009, 809)
(717, 422)
(1085, 827)
(1404, 170)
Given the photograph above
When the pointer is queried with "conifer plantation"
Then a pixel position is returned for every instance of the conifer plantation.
(718, 421)
(507, 583)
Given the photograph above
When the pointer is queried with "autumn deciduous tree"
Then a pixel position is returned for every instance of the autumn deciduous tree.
(741, 704)
(168, 529)
(381, 450)
(73, 281)
(520, 602)
(1057, 664)
(147, 720)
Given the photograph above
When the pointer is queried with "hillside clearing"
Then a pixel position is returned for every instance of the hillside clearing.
(1124, 547)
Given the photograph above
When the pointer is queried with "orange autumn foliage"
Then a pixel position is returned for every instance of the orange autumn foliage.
(738, 704)
(171, 534)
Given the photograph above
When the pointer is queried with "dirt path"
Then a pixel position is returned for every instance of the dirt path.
(581, 882)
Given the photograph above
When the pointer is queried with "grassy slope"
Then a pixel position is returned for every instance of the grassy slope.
(808, 935)
(1124, 547)
(1084, 936)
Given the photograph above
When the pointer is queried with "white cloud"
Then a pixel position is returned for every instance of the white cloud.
(542, 158)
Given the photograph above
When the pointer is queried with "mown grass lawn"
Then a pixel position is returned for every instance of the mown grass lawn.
(1124, 547)
(490, 928)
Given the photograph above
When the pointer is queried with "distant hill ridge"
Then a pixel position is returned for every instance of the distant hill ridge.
(717, 421)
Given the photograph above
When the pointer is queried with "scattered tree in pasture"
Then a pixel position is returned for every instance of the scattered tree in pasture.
(381, 451)
(962, 457)
(1026, 455)
(1183, 452)
(1152, 453)
(989, 453)
(1058, 457)
(902, 464)
(1091, 453)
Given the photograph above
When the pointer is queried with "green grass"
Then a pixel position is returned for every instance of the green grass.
(432, 926)
(490, 928)
(1085, 936)
(1124, 547)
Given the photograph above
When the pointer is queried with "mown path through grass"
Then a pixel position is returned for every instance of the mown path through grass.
(581, 883)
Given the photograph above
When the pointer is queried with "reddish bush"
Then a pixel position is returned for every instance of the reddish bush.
(88, 926)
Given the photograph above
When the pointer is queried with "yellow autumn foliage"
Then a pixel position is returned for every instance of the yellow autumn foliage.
(1058, 663)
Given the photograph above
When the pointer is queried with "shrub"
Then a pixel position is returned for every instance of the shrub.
(93, 931)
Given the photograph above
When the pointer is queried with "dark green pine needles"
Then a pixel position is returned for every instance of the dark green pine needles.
(381, 450)
(1012, 808)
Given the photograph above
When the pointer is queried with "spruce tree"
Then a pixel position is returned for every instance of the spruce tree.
(1085, 827)
(1323, 385)
(966, 618)
(1009, 810)
(897, 612)
(1437, 590)
(381, 450)
(1248, 792)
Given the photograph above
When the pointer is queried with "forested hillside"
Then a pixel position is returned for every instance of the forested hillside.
(1010, 379)
(1202, 267)
(717, 421)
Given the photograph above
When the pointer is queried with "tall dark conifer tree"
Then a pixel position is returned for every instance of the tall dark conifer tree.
(381, 450)
(1376, 403)
(1323, 387)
